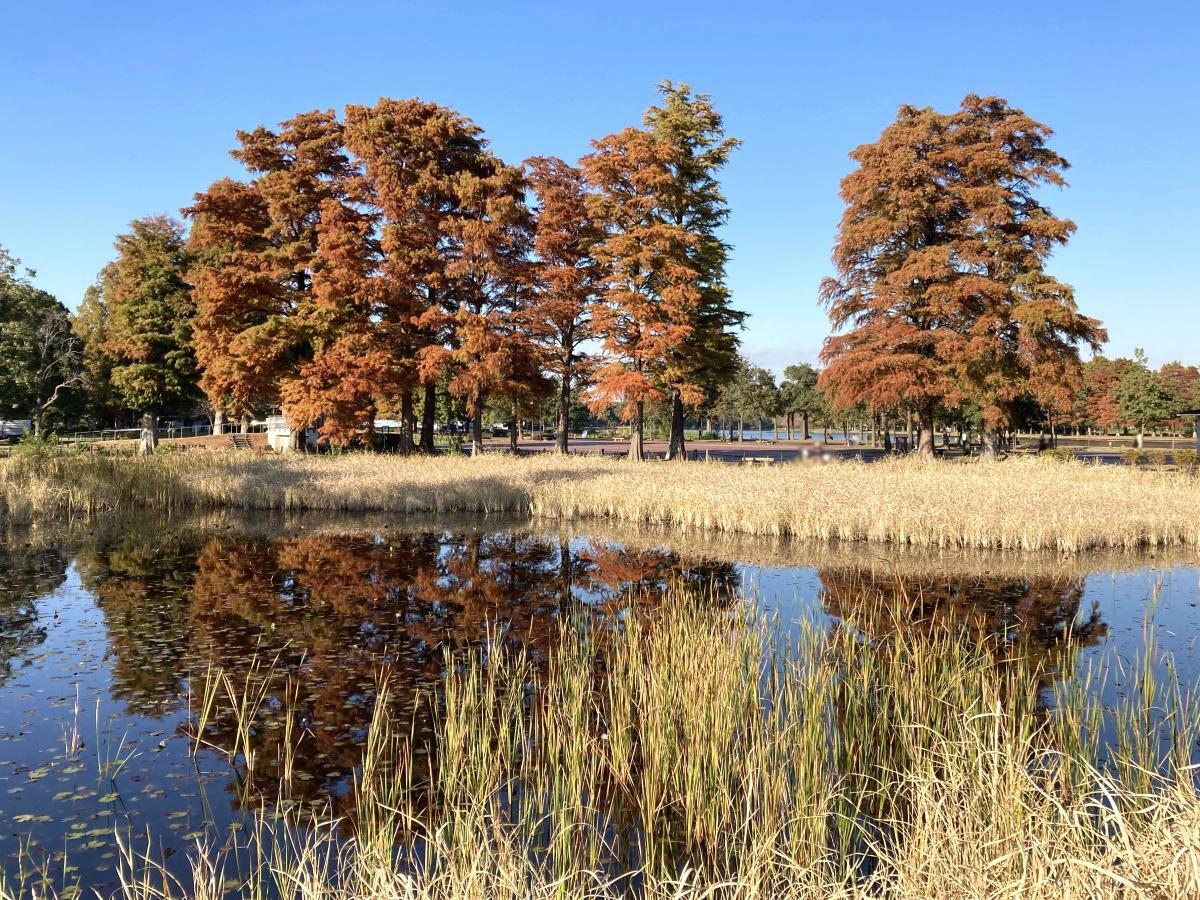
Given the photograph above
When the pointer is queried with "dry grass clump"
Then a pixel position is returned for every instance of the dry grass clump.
(1018, 504)
(706, 755)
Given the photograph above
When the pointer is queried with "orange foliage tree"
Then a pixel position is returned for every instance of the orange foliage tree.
(488, 239)
(256, 248)
(567, 276)
(412, 152)
(941, 295)
(665, 319)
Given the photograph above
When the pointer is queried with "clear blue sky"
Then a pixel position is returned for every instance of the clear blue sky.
(119, 110)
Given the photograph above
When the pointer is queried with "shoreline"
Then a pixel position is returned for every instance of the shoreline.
(1027, 505)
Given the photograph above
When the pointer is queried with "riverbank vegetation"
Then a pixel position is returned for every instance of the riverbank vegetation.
(1016, 504)
(708, 752)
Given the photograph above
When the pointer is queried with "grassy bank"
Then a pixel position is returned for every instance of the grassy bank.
(708, 754)
(1019, 504)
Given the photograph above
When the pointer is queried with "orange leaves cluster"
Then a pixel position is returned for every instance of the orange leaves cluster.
(363, 256)
(390, 249)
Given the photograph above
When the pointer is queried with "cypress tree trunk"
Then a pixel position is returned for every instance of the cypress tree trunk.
(636, 426)
(428, 415)
(675, 445)
(926, 428)
(513, 432)
(219, 421)
(477, 430)
(407, 422)
(564, 414)
(991, 443)
(804, 425)
(148, 442)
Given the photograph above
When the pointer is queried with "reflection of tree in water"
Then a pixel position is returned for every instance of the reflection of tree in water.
(142, 584)
(335, 608)
(25, 576)
(1026, 617)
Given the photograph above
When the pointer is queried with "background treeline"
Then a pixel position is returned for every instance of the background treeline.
(1110, 396)
(386, 264)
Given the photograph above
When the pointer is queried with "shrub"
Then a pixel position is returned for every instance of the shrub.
(1132, 455)
(1059, 453)
(1156, 457)
(1185, 459)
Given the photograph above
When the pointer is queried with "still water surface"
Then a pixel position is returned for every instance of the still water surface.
(101, 636)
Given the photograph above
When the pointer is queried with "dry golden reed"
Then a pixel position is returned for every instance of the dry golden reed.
(1017, 504)
(704, 753)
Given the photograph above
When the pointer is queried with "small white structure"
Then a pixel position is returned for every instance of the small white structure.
(279, 434)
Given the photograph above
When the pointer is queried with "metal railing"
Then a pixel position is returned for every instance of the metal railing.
(164, 433)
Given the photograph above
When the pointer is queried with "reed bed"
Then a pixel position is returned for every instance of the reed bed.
(711, 754)
(1017, 504)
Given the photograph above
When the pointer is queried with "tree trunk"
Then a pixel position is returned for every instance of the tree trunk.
(564, 414)
(991, 443)
(428, 415)
(636, 428)
(148, 442)
(219, 421)
(514, 432)
(741, 429)
(477, 430)
(675, 444)
(407, 422)
(1141, 435)
(805, 436)
(925, 421)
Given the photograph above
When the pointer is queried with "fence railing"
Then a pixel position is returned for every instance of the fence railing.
(165, 433)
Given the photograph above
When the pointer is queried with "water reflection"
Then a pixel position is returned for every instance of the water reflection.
(332, 608)
(1028, 617)
(27, 575)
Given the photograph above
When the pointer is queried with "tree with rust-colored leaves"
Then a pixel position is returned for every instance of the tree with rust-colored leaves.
(255, 248)
(412, 152)
(665, 318)
(487, 356)
(567, 276)
(941, 296)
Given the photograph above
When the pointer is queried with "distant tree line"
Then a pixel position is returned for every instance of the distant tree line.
(387, 264)
(1109, 396)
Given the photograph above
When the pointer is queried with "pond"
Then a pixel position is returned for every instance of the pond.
(104, 635)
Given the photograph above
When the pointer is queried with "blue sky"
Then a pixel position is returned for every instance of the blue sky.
(118, 110)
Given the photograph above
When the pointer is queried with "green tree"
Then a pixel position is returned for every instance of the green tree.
(40, 354)
(1142, 397)
(750, 394)
(799, 395)
(148, 333)
(90, 326)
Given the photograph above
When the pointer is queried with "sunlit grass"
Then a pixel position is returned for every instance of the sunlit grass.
(1018, 504)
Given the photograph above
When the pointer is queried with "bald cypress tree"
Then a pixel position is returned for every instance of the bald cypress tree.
(666, 318)
(941, 296)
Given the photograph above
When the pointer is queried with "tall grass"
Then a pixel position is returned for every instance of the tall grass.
(1018, 504)
(712, 754)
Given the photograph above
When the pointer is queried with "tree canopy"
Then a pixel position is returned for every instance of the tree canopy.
(941, 295)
